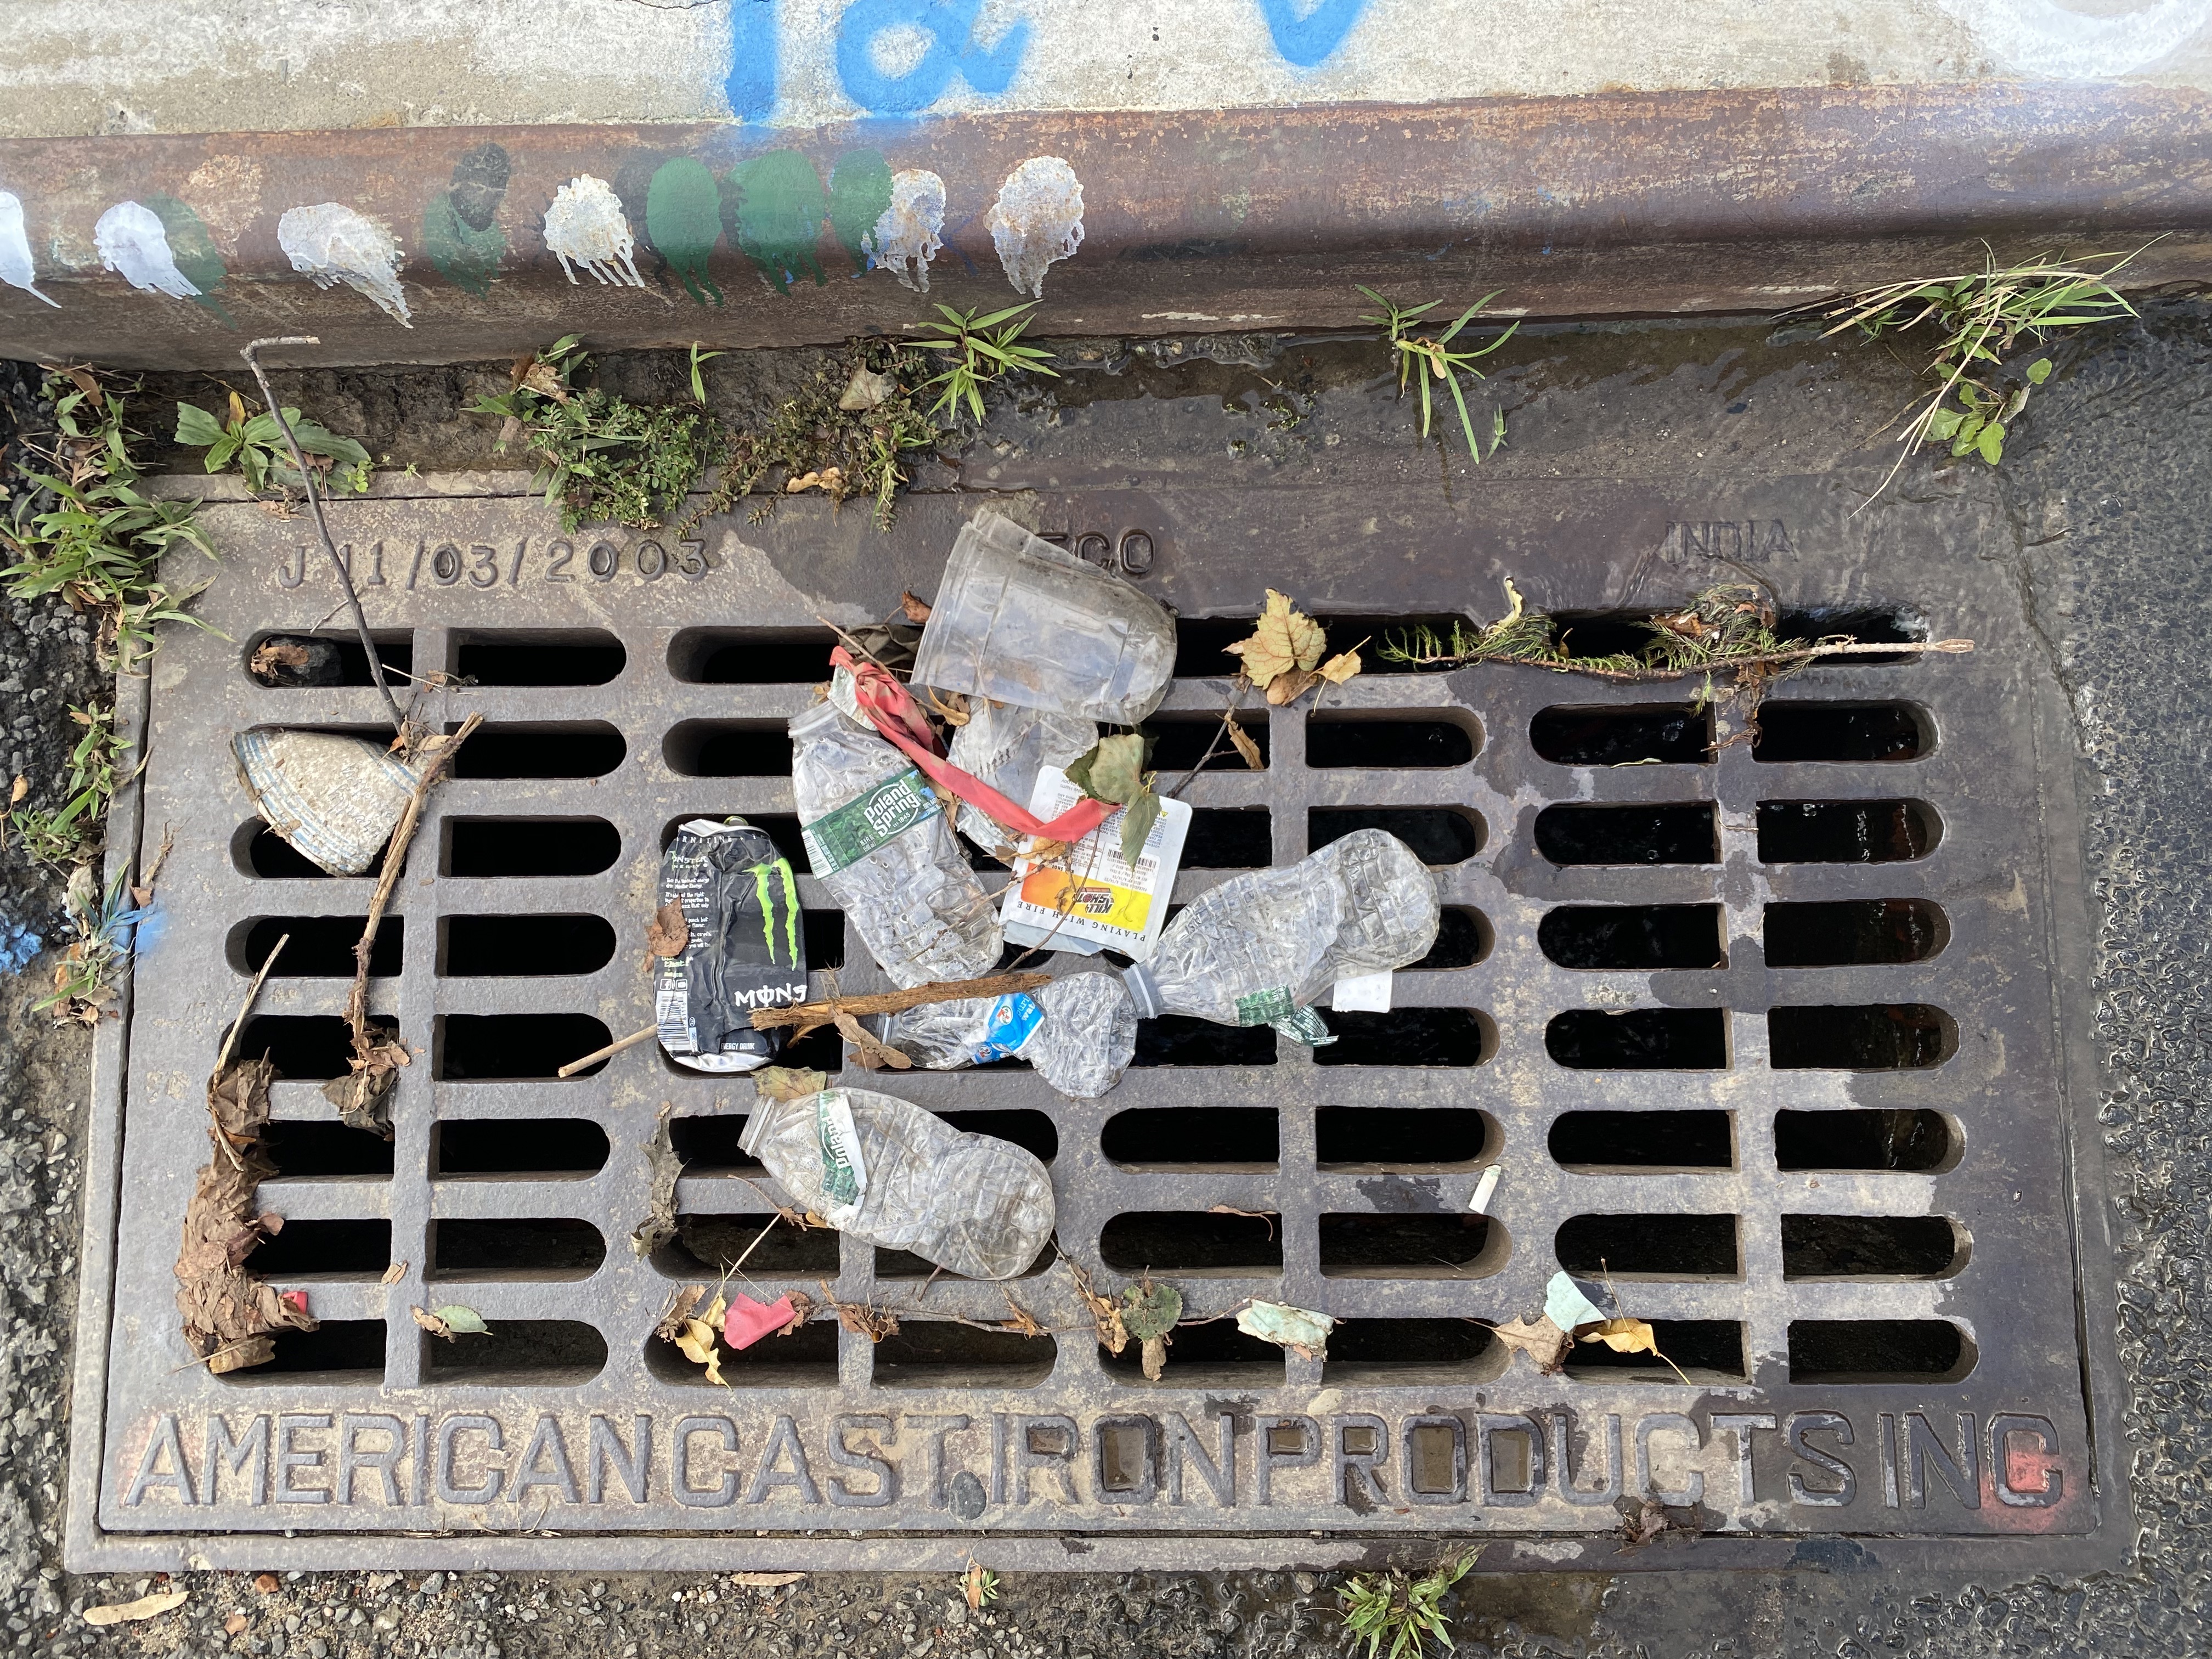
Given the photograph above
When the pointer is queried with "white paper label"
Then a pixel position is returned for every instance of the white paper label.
(1363, 994)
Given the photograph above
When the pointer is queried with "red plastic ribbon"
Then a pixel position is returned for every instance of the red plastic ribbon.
(891, 707)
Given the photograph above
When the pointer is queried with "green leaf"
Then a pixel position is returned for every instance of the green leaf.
(2039, 371)
(1991, 443)
(462, 1322)
(1149, 1311)
(1137, 822)
(1112, 770)
(1944, 422)
(195, 427)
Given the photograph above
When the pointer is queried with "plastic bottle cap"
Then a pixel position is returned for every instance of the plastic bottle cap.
(1144, 991)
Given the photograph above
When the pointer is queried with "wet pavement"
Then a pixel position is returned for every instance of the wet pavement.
(2105, 494)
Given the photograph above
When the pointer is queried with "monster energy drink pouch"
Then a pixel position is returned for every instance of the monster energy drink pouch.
(747, 949)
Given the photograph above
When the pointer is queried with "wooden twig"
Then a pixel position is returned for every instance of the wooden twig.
(244, 1008)
(395, 861)
(315, 506)
(809, 1015)
(599, 1055)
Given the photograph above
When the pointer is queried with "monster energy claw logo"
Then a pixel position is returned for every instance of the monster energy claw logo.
(782, 868)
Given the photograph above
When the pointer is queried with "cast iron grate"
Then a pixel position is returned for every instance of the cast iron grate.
(1762, 1030)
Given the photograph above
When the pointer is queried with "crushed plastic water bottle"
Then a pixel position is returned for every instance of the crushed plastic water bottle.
(1008, 746)
(896, 1177)
(944, 1037)
(880, 841)
(1080, 1033)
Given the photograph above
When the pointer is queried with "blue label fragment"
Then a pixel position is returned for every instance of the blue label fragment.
(1012, 1021)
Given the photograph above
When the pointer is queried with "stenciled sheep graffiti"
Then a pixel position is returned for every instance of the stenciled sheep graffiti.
(16, 267)
(160, 245)
(1036, 219)
(585, 227)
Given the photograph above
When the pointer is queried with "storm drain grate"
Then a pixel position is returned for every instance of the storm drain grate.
(1766, 1033)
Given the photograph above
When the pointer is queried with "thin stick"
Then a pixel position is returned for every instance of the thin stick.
(244, 1008)
(395, 861)
(599, 1055)
(893, 1002)
(315, 505)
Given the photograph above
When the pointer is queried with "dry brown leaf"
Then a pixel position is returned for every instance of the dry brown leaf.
(1337, 670)
(681, 1301)
(1104, 1314)
(1044, 847)
(1286, 640)
(1246, 747)
(395, 1272)
(874, 1052)
(783, 1083)
(1624, 1336)
(1153, 1353)
(1650, 1520)
(271, 654)
(228, 1314)
(1254, 1215)
(668, 934)
(860, 1319)
(21, 788)
(266, 1582)
(1288, 688)
(666, 1168)
(1024, 1321)
(146, 1607)
(764, 1580)
(1543, 1341)
(540, 379)
(696, 1337)
(972, 1582)
(917, 611)
(234, 1625)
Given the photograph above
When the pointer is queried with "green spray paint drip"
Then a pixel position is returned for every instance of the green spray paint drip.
(859, 193)
(465, 256)
(775, 207)
(684, 219)
(768, 909)
(193, 251)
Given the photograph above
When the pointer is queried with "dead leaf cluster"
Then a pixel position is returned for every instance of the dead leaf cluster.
(1283, 658)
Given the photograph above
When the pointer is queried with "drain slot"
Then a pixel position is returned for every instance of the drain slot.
(904, 1264)
(1211, 1356)
(1886, 1036)
(1032, 1131)
(1845, 831)
(1856, 733)
(324, 1249)
(1851, 932)
(1644, 937)
(1650, 1247)
(1193, 1138)
(530, 847)
(1409, 1036)
(752, 656)
(711, 1245)
(1686, 834)
(1438, 835)
(1185, 1040)
(333, 659)
(1881, 1139)
(1464, 938)
(523, 946)
(587, 656)
(325, 1151)
(1373, 741)
(1410, 1246)
(1381, 1138)
(586, 749)
(519, 1353)
(1878, 1350)
(919, 1355)
(1228, 839)
(807, 1358)
(539, 1146)
(1640, 1040)
(1706, 1350)
(1180, 741)
(728, 749)
(1674, 734)
(1399, 1352)
(513, 1247)
(338, 1350)
(1643, 1143)
(320, 947)
(1190, 1242)
(257, 850)
(515, 1048)
(312, 1047)
(1877, 1247)
(708, 1146)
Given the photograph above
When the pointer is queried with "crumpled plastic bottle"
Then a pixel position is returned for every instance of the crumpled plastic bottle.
(1079, 1032)
(1008, 746)
(879, 840)
(1261, 947)
(901, 1178)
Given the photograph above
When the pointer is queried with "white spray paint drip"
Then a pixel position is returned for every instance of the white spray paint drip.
(586, 225)
(333, 244)
(2042, 38)
(907, 237)
(130, 239)
(1485, 1189)
(1038, 218)
(15, 267)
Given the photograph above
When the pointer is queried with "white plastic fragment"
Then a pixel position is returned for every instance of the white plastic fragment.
(909, 231)
(1363, 994)
(1038, 219)
(132, 239)
(1480, 1203)
(1565, 1305)
(332, 244)
(1297, 1328)
(16, 268)
(585, 226)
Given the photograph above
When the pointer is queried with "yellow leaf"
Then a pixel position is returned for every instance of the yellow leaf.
(1246, 747)
(1624, 1336)
(1286, 640)
(1337, 670)
(1288, 687)
(21, 788)
(237, 410)
(696, 1339)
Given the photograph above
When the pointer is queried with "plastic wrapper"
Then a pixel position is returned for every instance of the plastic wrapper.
(1088, 1035)
(944, 1037)
(746, 950)
(1018, 620)
(898, 1177)
(880, 841)
(1008, 747)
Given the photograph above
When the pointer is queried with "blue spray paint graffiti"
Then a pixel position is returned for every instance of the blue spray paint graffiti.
(1305, 41)
(751, 85)
(953, 50)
